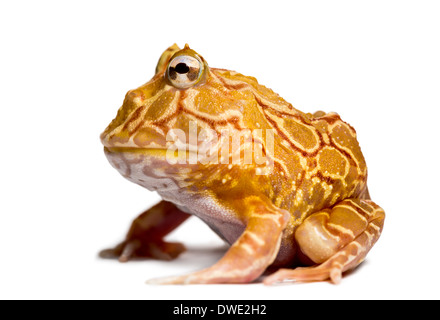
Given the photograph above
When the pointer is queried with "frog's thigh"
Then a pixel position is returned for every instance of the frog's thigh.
(336, 239)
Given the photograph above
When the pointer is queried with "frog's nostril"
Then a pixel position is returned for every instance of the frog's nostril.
(181, 68)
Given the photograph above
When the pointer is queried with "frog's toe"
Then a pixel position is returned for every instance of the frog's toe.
(200, 277)
(206, 276)
(135, 248)
(163, 250)
(112, 253)
(307, 274)
(168, 280)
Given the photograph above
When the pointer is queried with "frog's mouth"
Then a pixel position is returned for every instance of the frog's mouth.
(151, 151)
(171, 156)
(156, 169)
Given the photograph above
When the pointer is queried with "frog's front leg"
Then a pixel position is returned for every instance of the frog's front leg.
(336, 239)
(145, 237)
(250, 255)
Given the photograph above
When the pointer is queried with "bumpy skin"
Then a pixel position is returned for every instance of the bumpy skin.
(310, 207)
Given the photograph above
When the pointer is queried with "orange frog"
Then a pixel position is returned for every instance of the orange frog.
(286, 189)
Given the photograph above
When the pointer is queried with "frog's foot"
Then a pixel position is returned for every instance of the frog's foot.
(214, 274)
(307, 274)
(337, 240)
(249, 256)
(330, 270)
(136, 248)
(145, 237)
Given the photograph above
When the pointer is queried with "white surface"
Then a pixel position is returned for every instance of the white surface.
(66, 66)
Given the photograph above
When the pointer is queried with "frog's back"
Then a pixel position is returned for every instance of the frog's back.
(317, 158)
(318, 162)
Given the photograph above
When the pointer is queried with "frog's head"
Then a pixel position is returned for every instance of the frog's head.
(183, 105)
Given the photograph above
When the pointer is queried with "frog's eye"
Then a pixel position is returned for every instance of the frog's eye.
(184, 71)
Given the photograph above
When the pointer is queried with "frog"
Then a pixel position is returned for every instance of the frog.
(297, 209)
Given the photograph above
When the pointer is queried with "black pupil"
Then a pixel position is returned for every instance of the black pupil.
(181, 68)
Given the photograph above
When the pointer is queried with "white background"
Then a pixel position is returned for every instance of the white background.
(65, 67)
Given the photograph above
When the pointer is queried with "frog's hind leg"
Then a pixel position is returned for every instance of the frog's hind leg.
(336, 239)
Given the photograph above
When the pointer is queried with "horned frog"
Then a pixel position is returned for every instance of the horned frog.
(306, 205)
